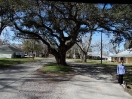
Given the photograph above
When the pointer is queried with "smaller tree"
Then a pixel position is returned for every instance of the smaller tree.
(32, 46)
(128, 44)
(74, 52)
(84, 46)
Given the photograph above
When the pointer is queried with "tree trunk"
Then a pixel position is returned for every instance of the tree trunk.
(84, 58)
(61, 58)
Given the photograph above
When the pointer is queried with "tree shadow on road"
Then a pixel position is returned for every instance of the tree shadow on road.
(94, 70)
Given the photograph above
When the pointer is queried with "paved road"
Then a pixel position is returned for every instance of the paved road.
(11, 79)
(89, 82)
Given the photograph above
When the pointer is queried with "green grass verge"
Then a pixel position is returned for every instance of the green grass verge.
(54, 68)
(6, 62)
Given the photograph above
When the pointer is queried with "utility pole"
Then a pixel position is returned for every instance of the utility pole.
(101, 47)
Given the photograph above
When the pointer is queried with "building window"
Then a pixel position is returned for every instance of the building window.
(122, 59)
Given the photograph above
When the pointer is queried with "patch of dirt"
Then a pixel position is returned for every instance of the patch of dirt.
(56, 77)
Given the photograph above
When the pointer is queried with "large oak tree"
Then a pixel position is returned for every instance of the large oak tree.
(57, 24)
(60, 25)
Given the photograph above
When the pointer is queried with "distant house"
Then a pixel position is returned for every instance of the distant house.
(125, 56)
(8, 51)
(95, 55)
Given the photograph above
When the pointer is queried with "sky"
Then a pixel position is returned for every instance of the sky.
(7, 34)
(105, 39)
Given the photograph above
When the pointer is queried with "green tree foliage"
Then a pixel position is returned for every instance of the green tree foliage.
(32, 45)
(128, 45)
(1, 42)
(118, 22)
(8, 9)
(4, 14)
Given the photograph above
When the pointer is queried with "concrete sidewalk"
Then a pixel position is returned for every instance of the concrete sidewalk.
(88, 82)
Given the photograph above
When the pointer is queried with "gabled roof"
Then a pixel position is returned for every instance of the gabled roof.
(126, 53)
(10, 48)
(93, 54)
(96, 54)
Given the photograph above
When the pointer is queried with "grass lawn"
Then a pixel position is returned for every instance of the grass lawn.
(54, 68)
(111, 67)
(7, 62)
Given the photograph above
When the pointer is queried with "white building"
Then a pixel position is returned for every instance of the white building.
(8, 51)
(126, 56)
